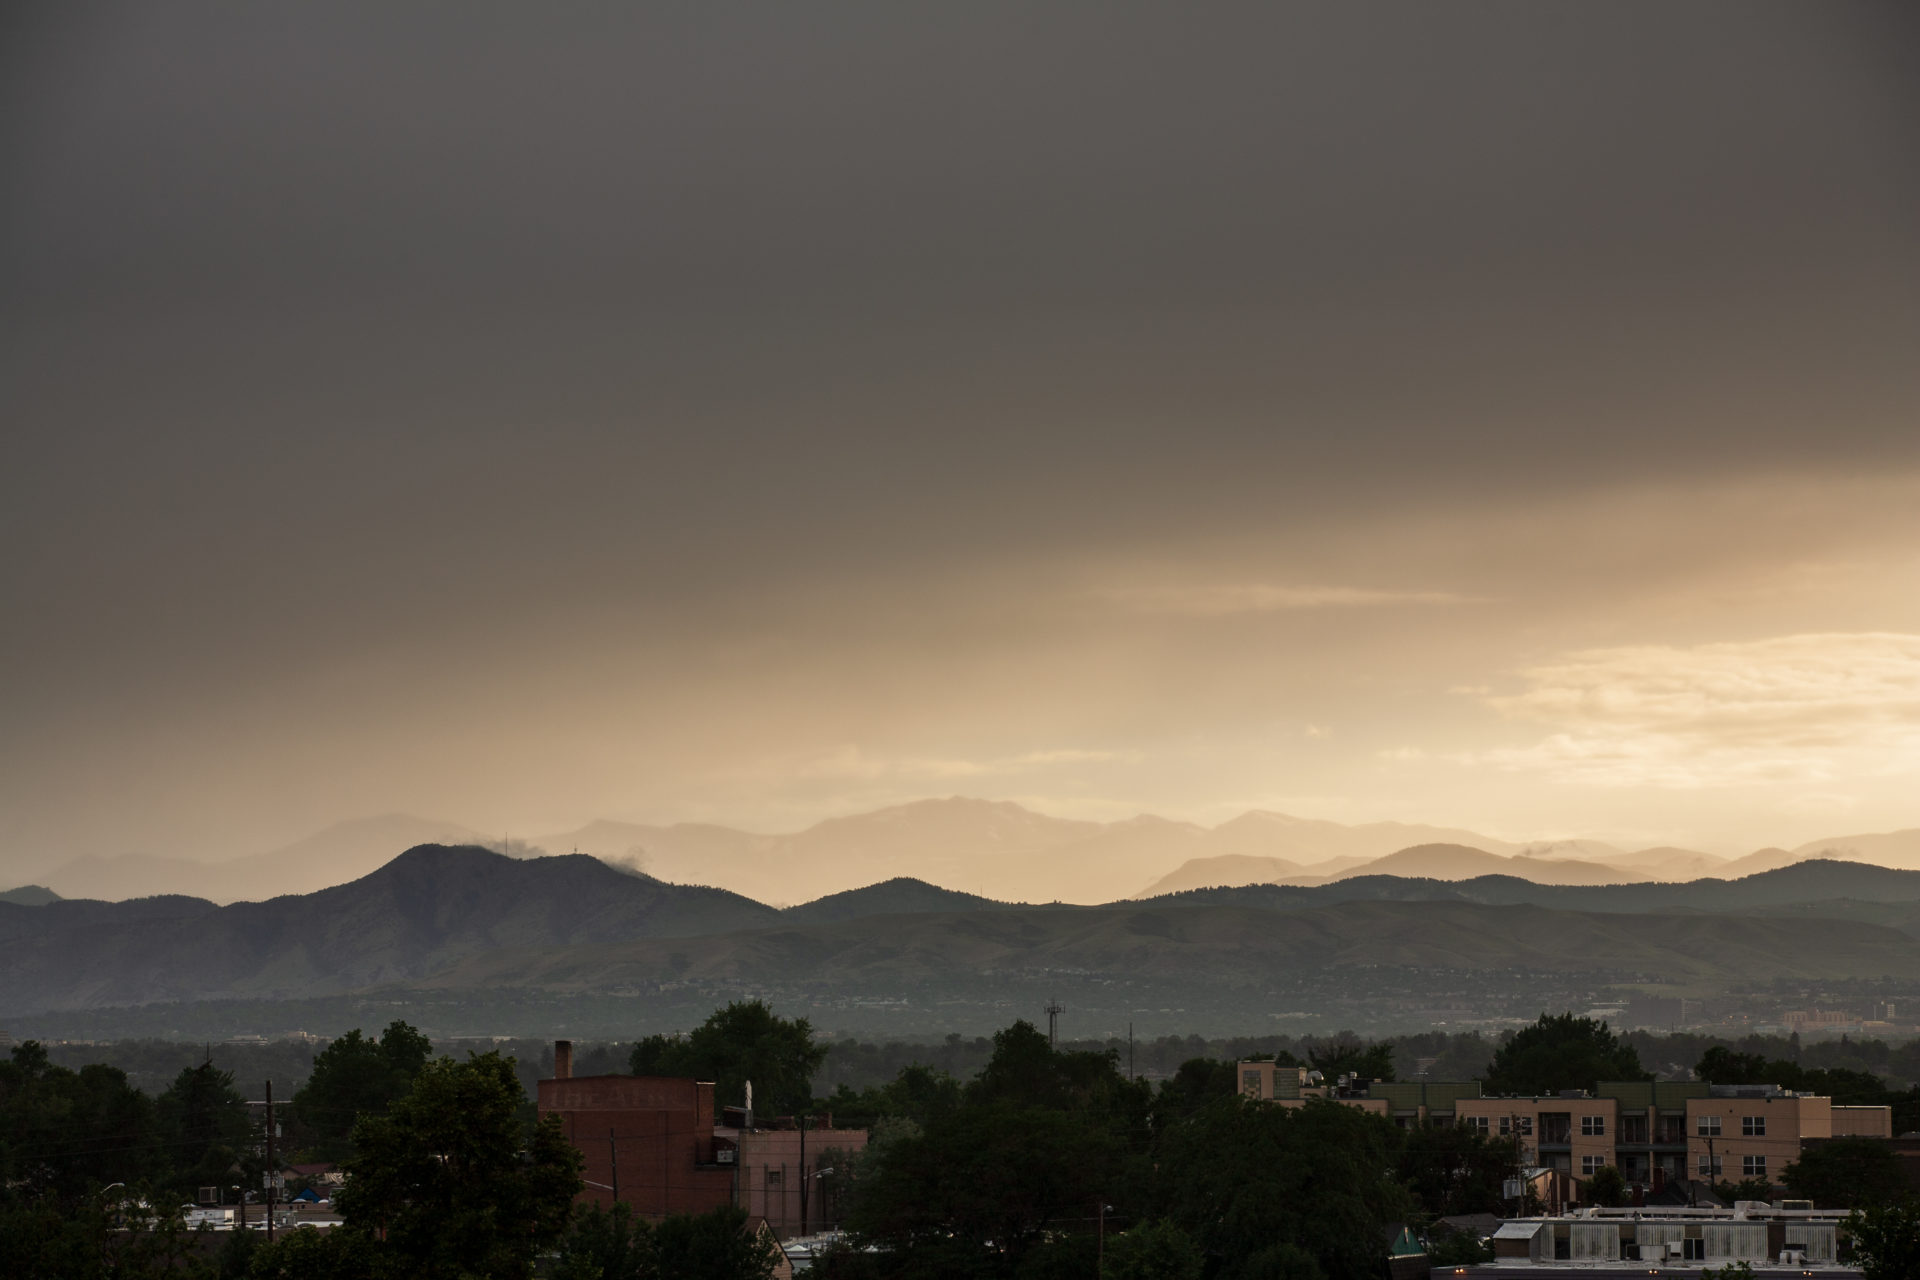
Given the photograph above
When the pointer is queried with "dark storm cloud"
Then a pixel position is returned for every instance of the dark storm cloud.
(335, 328)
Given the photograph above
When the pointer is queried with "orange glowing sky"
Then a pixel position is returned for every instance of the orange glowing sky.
(1494, 416)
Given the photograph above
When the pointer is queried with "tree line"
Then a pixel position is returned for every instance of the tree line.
(1039, 1161)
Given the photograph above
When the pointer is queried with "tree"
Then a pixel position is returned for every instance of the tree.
(1198, 1082)
(1244, 1178)
(981, 1188)
(1457, 1249)
(606, 1245)
(1156, 1250)
(64, 1132)
(454, 1181)
(1845, 1085)
(1347, 1054)
(1275, 1262)
(1847, 1173)
(1606, 1187)
(204, 1123)
(1458, 1170)
(1886, 1241)
(309, 1254)
(1561, 1052)
(356, 1076)
(1027, 1071)
(744, 1041)
(717, 1245)
(1745, 1189)
(1721, 1065)
(918, 1093)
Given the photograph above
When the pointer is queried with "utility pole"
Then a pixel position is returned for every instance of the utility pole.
(613, 1161)
(1054, 1010)
(803, 1175)
(271, 1167)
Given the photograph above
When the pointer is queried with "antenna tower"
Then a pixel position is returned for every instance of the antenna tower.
(1054, 1010)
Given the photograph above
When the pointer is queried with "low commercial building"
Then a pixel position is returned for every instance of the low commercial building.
(1605, 1243)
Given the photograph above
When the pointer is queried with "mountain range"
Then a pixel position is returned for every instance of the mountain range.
(462, 919)
(996, 850)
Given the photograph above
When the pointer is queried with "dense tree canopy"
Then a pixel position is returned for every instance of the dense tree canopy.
(1847, 1087)
(1847, 1173)
(1244, 1177)
(1458, 1170)
(1155, 1250)
(744, 1041)
(454, 1182)
(356, 1076)
(1561, 1052)
(981, 1187)
(1886, 1241)
(62, 1131)
(208, 1133)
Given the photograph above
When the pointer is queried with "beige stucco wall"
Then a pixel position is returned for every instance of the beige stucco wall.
(1579, 1144)
(1788, 1120)
(1863, 1122)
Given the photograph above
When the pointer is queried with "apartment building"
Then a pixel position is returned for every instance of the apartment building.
(1654, 1132)
(1755, 1131)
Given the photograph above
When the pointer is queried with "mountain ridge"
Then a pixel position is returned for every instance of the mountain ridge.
(994, 849)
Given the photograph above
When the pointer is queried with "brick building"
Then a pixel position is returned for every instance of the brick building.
(656, 1144)
(791, 1176)
(652, 1137)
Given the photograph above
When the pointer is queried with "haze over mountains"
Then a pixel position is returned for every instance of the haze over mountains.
(997, 850)
(471, 924)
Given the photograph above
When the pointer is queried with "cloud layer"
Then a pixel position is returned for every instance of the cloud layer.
(1797, 709)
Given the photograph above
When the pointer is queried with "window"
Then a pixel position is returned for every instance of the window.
(1478, 1122)
(1593, 1126)
(1250, 1082)
(1591, 1165)
(1522, 1125)
(1753, 1166)
(775, 1177)
(1709, 1126)
(1753, 1126)
(1712, 1166)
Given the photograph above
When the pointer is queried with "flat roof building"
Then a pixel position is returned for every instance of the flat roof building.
(1655, 1132)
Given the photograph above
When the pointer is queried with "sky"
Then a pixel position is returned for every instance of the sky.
(1497, 415)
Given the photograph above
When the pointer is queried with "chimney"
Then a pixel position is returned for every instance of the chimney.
(563, 1059)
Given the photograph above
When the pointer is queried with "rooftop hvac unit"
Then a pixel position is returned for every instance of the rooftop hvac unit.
(209, 1195)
